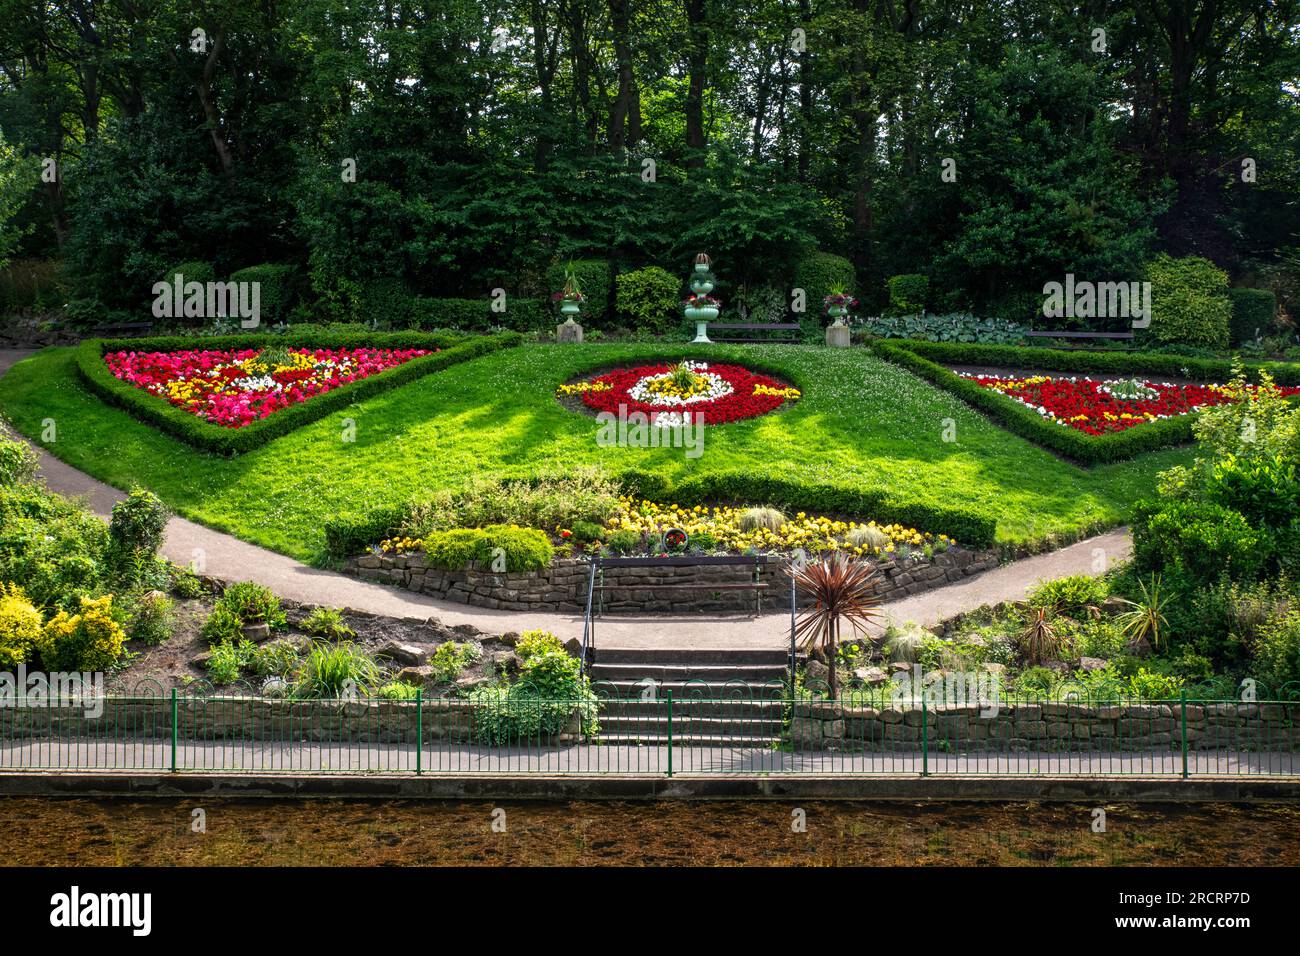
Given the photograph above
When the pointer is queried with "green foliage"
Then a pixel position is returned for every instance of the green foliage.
(1253, 312)
(818, 273)
(1189, 301)
(1265, 490)
(533, 643)
(276, 283)
(193, 271)
(334, 671)
(56, 550)
(253, 603)
(648, 298)
(450, 658)
(628, 542)
(1071, 595)
(1198, 542)
(17, 460)
(138, 523)
(151, 617)
(397, 690)
(1277, 651)
(278, 658)
(348, 533)
(222, 626)
(20, 627)
(221, 440)
(908, 292)
(229, 660)
(955, 327)
(476, 315)
(89, 640)
(596, 282)
(587, 532)
(30, 284)
(523, 549)
(327, 622)
(549, 696)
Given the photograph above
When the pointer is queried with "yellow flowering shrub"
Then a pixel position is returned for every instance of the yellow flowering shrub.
(89, 640)
(20, 627)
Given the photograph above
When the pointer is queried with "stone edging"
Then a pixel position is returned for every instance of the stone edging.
(563, 585)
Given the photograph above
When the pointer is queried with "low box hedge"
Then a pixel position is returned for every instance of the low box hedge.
(230, 441)
(923, 358)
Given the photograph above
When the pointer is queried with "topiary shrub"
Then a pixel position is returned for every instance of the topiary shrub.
(138, 523)
(647, 299)
(275, 289)
(1189, 302)
(596, 282)
(20, 627)
(908, 292)
(193, 271)
(819, 272)
(521, 549)
(1253, 312)
(386, 300)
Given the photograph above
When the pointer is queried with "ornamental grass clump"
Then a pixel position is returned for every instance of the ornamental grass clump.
(336, 671)
(764, 518)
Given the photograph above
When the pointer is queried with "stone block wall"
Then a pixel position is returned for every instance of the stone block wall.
(563, 585)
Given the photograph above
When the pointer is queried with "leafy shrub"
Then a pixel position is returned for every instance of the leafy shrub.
(278, 658)
(185, 583)
(908, 293)
(336, 671)
(30, 283)
(138, 523)
(192, 271)
(1277, 651)
(1189, 301)
(253, 603)
(477, 315)
(586, 532)
(222, 626)
(151, 618)
(450, 658)
(90, 640)
(952, 327)
(817, 273)
(628, 542)
(228, 661)
(1198, 542)
(1253, 312)
(595, 281)
(275, 289)
(545, 502)
(1069, 595)
(20, 627)
(1265, 490)
(349, 533)
(327, 622)
(549, 694)
(523, 549)
(533, 643)
(397, 690)
(52, 547)
(17, 460)
(647, 298)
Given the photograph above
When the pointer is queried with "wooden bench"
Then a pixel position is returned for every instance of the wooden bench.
(786, 332)
(1086, 336)
(124, 328)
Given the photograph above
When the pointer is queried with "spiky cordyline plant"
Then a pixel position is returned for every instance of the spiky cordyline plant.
(1144, 622)
(1039, 638)
(841, 589)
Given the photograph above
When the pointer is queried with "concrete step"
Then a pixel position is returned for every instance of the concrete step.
(685, 707)
(714, 673)
(741, 656)
(689, 740)
(728, 727)
(626, 689)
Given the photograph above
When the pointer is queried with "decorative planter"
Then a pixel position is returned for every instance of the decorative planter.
(702, 316)
(570, 307)
(837, 312)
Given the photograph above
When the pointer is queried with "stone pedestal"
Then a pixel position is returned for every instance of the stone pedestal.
(568, 331)
(837, 336)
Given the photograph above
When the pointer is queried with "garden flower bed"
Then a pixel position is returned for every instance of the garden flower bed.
(235, 387)
(670, 395)
(1099, 406)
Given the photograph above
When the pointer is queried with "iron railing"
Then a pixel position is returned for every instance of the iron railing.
(740, 729)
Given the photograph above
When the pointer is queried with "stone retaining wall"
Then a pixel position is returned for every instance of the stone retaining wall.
(563, 586)
(1048, 726)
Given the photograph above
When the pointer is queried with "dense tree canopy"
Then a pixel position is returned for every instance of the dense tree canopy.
(992, 145)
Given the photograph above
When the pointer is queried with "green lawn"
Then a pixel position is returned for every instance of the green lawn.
(860, 421)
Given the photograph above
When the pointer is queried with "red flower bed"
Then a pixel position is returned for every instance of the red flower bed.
(725, 393)
(234, 387)
(1089, 405)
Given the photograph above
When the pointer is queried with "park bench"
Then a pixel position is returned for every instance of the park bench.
(1085, 336)
(125, 328)
(787, 332)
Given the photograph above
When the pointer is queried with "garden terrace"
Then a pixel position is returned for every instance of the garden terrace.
(865, 439)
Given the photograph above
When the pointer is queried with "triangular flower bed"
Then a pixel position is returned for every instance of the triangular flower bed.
(228, 399)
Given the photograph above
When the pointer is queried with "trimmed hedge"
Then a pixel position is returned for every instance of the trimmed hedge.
(1253, 311)
(275, 288)
(524, 549)
(476, 315)
(818, 272)
(231, 441)
(969, 529)
(908, 292)
(922, 359)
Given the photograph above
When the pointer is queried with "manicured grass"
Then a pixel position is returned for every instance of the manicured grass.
(861, 421)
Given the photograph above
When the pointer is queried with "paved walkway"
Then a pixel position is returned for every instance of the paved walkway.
(228, 558)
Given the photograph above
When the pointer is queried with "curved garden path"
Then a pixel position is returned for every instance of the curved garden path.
(228, 558)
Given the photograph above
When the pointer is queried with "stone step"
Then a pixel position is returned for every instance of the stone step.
(739, 690)
(740, 656)
(713, 673)
(728, 727)
(760, 742)
(688, 708)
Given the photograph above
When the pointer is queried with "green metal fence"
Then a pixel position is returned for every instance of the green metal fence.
(758, 731)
